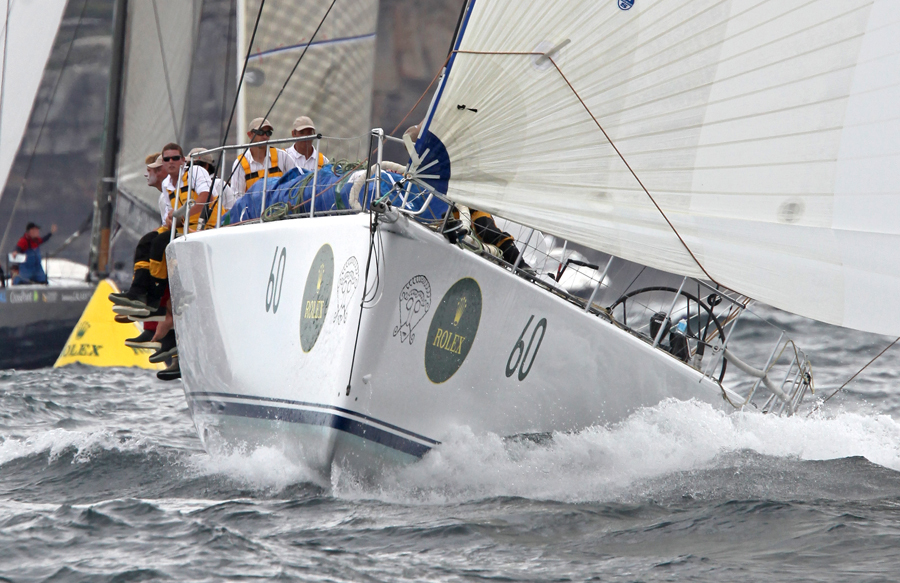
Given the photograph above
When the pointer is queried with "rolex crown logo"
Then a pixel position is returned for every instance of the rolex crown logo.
(460, 308)
(321, 275)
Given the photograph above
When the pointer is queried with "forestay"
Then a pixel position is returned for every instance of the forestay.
(333, 83)
(26, 38)
(768, 134)
(162, 35)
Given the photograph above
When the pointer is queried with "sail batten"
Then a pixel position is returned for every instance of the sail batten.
(768, 134)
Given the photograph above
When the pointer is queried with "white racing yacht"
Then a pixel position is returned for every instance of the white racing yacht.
(711, 153)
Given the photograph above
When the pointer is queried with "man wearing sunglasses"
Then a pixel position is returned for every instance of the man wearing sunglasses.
(143, 298)
(251, 165)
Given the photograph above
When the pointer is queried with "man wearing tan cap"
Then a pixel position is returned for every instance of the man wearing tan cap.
(220, 192)
(251, 165)
(303, 153)
(191, 182)
(155, 176)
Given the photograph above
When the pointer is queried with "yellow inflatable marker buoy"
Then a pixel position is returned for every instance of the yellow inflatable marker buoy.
(98, 340)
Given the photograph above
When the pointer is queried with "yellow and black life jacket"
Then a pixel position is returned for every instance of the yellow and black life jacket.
(183, 197)
(250, 178)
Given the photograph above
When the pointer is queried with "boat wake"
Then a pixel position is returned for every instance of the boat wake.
(675, 448)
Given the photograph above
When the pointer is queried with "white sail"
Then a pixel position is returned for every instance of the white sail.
(29, 28)
(768, 133)
(333, 83)
(162, 35)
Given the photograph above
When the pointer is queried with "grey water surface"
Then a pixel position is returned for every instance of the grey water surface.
(102, 478)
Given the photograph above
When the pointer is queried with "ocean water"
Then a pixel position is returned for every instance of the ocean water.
(102, 478)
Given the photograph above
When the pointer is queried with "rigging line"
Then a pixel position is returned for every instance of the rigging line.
(237, 91)
(611, 143)
(3, 72)
(857, 373)
(37, 140)
(373, 226)
(84, 228)
(232, 18)
(421, 97)
(162, 53)
(300, 58)
(633, 173)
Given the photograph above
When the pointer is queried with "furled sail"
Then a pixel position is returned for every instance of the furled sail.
(29, 28)
(162, 35)
(333, 83)
(754, 143)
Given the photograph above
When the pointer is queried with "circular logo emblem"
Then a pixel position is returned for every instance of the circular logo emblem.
(316, 296)
(452, 330)
(626, 4)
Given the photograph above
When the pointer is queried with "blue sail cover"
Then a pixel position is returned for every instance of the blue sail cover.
(333, 188)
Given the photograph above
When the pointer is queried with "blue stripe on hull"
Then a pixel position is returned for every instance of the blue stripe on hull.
(334, 418)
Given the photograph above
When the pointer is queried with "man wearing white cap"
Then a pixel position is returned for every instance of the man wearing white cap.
(251, 165)
(303, 153)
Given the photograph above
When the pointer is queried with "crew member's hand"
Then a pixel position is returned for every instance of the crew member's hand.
(169, 220)
(53, 228)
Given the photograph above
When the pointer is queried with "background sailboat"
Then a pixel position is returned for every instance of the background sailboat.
(35, 333)
(34, 320)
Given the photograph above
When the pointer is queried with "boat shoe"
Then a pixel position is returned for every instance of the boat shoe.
(129, 298)
(147, 316)
(171, 373)
(167, 348)
(127, 311)
(122, 319)
(143, 340)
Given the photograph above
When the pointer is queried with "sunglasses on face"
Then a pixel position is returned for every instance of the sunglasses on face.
(265, 133)
(172, 158)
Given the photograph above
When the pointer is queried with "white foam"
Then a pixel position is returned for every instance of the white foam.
(57, 441)
(600, 463)
(263, 468)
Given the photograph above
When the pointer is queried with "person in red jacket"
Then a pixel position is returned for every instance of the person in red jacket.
(31, 269)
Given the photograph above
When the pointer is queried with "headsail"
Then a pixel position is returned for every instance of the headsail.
(162, 35)
(767, 133)
(26, 39)
(332, 85)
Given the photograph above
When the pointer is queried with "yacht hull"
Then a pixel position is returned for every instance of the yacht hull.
(275, 349)
(36, 321)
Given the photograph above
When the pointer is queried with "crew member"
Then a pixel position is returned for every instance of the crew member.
(479, 222)
(251, 165)
(136, 296)
(304, 155)
(15, 277)
(220, 192)
(31, 269)
(155, 174)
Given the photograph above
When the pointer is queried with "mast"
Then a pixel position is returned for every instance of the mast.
(104, 203)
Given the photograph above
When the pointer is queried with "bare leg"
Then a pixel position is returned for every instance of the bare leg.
(166, 325)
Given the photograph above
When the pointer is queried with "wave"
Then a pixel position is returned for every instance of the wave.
(263, 469)
(611, 463)
(55, 442)
(685, 445)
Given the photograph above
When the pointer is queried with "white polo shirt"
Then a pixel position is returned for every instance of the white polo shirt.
(303, 162)
(165, 205)
(239, 183)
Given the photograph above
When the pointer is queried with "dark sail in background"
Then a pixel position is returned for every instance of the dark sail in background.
(63, 179)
